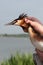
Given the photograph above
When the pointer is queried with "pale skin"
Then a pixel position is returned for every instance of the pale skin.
(38, 27)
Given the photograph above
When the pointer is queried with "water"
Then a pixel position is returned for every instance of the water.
(10, 45)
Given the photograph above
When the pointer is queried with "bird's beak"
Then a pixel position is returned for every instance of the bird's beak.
(17, 23)
(11, 23)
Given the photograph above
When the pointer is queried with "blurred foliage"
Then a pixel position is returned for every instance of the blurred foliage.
(14, 35)
(19, 59)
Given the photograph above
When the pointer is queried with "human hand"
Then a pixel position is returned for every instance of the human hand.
(38, 27)
(35, 23)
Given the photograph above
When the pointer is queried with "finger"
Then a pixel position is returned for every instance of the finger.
(33, 35)
(30, 22)
(27, 20)
(31, 32)
(33, 19)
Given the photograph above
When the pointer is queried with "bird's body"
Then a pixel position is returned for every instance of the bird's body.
(35, 37)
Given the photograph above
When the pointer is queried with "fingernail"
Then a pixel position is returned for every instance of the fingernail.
(26, 20)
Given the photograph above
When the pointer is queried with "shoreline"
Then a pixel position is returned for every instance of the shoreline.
(14, 35)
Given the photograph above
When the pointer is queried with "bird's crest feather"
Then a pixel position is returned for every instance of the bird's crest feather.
(22, 16)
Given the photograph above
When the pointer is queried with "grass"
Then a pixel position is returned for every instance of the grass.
(19, 59)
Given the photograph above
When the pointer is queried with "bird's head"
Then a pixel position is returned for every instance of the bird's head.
(20, 21)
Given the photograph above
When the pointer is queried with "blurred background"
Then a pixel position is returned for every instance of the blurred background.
(11, 9)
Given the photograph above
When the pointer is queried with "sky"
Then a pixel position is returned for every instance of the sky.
(11, 9)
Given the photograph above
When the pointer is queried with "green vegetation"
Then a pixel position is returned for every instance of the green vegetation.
(18, 59)
(14, 35)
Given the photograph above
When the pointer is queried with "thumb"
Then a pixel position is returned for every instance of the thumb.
(32, 23)
(30, 30)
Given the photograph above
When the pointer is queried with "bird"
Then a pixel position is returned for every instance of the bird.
(35, 37)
